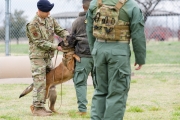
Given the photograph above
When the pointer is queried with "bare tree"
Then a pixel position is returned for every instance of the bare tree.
(148, 6)
(18, 22)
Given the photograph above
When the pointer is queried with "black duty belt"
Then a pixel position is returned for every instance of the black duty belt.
(100, 40)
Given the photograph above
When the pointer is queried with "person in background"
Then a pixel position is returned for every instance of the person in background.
(83, 68)
(112, 69)
(40, 32)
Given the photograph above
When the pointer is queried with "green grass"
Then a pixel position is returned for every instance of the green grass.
(157, 52)
(149, 99)
(15, 49)
(163, 52)
(13, 108)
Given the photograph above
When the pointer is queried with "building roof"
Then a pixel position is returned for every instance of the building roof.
(164, 13)
(65, 15)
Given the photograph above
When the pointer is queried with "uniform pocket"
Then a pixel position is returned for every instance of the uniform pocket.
(79, 76)
(122, 83)
(122, 56)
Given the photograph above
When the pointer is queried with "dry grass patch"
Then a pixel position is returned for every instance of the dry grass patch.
(149, 99)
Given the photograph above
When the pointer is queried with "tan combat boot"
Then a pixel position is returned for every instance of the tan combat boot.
(81, 113)
(48, 111)
(32, 109)
(40, 111)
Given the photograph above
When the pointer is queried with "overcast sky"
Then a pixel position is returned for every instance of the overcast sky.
(30, 6)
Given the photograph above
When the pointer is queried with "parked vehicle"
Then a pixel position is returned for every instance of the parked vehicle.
(160, 33)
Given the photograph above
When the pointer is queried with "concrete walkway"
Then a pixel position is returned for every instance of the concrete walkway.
(18, 66)
(17, 70)
(29, 81)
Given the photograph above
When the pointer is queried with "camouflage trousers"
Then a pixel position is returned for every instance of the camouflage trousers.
(39, 68)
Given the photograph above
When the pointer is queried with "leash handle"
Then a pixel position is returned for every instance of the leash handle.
(55, 65)
(55, 59)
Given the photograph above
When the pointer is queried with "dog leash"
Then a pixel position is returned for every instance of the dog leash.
(53, 73)
(61, 79)
(54, 79)
(55, 65)
(56, 59)
(61, 88)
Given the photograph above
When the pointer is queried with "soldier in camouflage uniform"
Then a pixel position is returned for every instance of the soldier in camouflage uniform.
(83, 68)
(112, 68)
(40, 32)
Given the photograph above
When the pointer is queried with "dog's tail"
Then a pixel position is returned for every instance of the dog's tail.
(26, 91)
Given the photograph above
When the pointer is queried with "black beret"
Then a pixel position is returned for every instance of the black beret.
(44, 5)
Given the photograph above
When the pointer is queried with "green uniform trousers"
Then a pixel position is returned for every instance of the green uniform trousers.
(82, 70)
(38, 68)
(112, 80)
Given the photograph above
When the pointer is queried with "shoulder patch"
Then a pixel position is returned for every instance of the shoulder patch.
(34, 32)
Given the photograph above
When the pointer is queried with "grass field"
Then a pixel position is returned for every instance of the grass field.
(149, 99)
(154, 93)
(157, 52)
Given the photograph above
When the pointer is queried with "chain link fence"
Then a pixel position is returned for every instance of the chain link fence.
(162, 17)
(162, 23)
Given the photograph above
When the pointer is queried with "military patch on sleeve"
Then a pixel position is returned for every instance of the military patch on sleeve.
(34, 32)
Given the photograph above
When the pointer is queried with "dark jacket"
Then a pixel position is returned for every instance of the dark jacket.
(79, 29)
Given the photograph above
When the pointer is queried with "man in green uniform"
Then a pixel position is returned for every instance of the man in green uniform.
(40, 32)
(111, 56)
(83, 68)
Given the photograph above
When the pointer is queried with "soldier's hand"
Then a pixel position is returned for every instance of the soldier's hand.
(59, 48)
(138, 67)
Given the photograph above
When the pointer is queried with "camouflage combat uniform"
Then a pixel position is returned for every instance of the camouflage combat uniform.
(83, 68)
(41, 50)
(112, 69)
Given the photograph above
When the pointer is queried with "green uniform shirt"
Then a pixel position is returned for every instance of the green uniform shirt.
(41, 36)
(131, 13)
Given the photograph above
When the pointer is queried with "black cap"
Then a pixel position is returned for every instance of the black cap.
(44, 5)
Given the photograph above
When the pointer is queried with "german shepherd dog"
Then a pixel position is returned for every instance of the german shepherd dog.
(62, 73)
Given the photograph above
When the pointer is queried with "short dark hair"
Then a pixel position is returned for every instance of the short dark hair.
(86, 3)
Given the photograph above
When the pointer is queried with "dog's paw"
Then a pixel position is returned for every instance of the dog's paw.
(77, 58)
